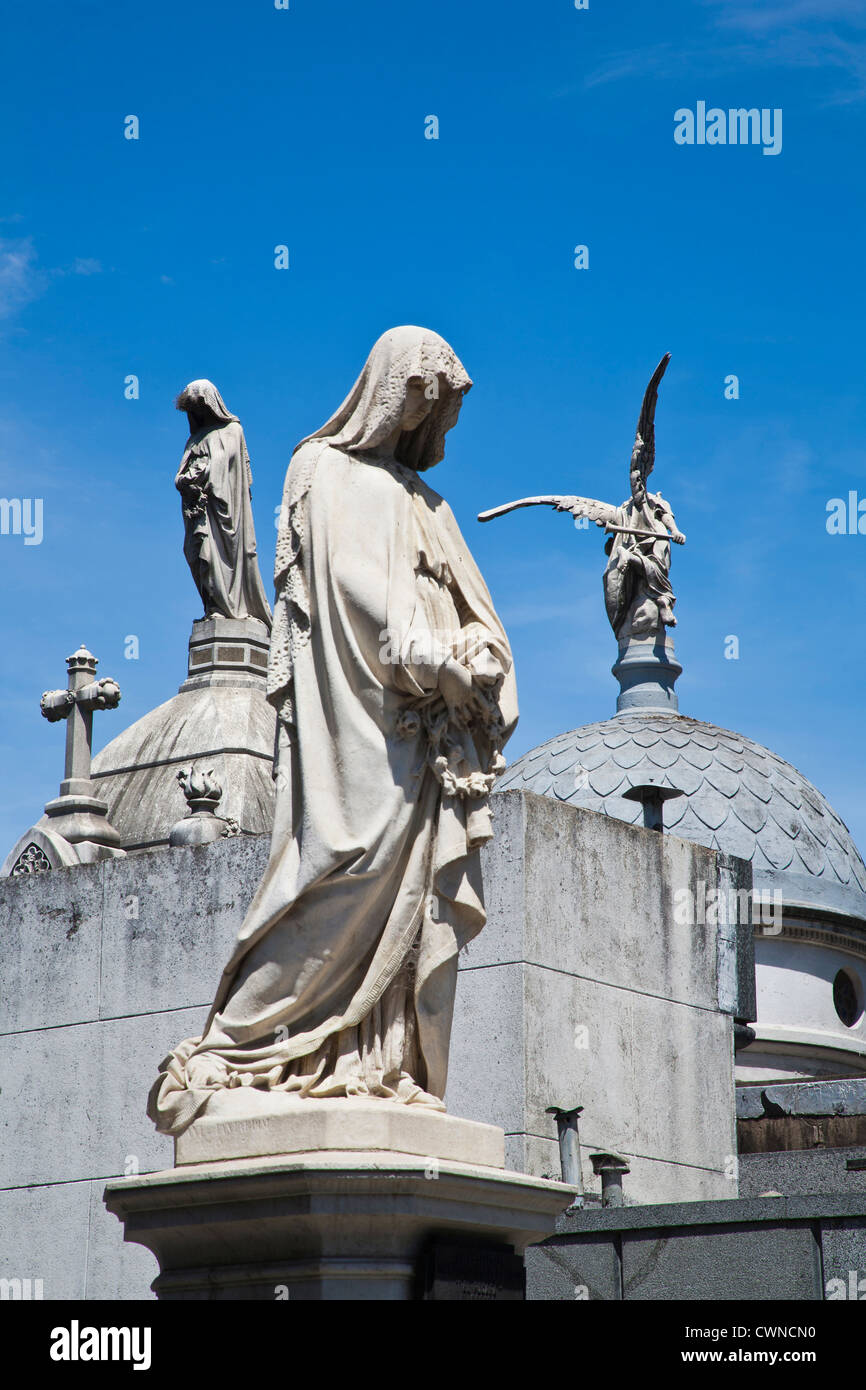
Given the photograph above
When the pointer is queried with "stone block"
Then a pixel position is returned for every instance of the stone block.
(246, 1123)
(565, 1271)
(600, 902)
(73, 1100)
(798, 1172)
(539, 1154)
(762, 1263)
(843, 1254)
(503, 872)
(45, 1238)
(631, 1041)
(738, 942)
(51, 926)
(116, 1269)
(487, 1065)
(174, 916)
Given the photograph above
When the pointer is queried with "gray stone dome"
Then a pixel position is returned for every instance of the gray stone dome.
(739, 798)
(227, 729)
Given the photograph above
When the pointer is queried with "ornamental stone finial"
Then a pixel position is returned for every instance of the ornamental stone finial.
(78, 814)
(201, 825)
(76, 828)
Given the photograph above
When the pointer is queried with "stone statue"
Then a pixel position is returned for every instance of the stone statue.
(392, 679)
(214, 481)
(637, 589)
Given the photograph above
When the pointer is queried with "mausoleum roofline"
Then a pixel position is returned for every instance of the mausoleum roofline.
(740, 798)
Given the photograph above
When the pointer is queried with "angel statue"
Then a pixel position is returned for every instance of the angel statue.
(637, 589)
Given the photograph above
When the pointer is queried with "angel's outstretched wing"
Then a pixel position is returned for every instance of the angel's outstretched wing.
(644, 451)
(602, 513)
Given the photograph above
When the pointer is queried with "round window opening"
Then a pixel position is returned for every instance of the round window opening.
(846, 999)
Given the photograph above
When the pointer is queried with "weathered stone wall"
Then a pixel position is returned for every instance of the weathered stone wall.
(105, 967)
(584, 990)
(797, 1249)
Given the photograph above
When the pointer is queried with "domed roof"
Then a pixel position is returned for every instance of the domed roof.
(739, 798)
(227, 729)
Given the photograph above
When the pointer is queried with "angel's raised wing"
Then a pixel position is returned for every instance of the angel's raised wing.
(644, 451)
(602, 513)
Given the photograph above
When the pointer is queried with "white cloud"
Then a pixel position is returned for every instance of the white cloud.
(20, 280)
(795, 14)
(23, 280)
(813, 34)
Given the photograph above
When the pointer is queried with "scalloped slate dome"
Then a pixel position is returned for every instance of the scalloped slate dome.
(739, 798)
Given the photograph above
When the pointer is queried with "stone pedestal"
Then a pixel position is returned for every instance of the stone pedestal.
(227, 651)
(647, 670)
(247, 1123)
(351, 1216)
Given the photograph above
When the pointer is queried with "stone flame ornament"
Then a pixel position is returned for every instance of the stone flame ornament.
(202, 825)
(392, 679)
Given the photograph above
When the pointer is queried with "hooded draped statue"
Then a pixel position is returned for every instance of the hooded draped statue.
(214, 481)
(392, 679)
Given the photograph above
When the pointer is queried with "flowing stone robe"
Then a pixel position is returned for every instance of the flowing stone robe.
(344, 974)
(637, 588)
(214, 481)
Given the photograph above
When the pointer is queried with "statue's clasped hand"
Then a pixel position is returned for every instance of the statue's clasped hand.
(460, 693)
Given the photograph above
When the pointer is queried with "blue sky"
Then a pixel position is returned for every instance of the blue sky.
(260, 127)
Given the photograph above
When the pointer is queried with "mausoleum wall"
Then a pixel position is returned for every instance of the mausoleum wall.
(582, 990)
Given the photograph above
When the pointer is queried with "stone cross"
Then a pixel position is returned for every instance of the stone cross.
(78, 814)
(75, 828)
(76, 706)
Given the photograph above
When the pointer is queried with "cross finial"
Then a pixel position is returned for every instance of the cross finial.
(78, 814)
(76, 706)
(77, 830)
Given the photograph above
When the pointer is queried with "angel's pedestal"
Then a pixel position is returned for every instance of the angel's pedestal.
(647, 670)
(276, 1198)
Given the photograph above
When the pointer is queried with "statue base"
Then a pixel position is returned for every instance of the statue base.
(227, 651)
(351, 1217)
(248, 1123)
(647, 670)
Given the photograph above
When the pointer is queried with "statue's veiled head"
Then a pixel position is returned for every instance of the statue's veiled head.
(413, 382)
(204, 405)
